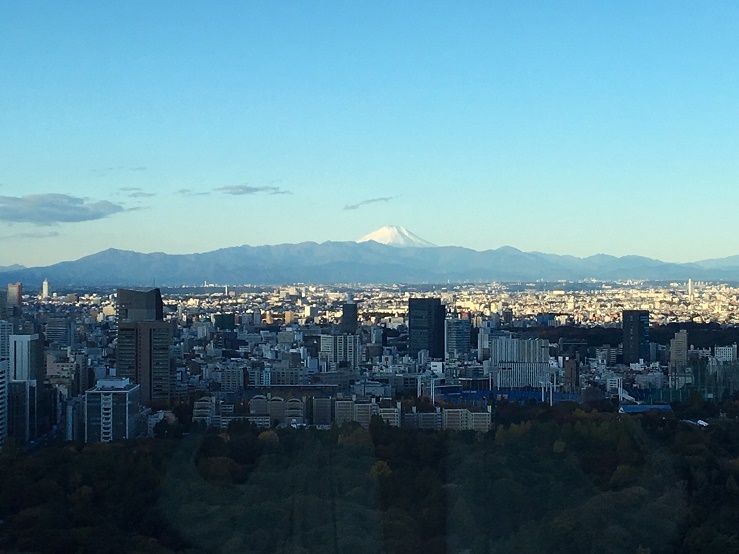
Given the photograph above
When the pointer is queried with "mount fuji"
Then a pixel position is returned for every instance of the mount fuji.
(395, 235)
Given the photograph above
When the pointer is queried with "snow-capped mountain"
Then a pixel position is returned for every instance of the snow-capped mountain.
(395, 235)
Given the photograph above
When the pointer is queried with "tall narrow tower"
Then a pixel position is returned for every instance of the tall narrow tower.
(142, 352)
(426, 326)
(635, 325)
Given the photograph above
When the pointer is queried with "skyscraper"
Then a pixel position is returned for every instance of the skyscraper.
(3, 304)
(142, 355)
(5, 330)
(679, 372)
(679, 352)
(426, 326)
(340, 351)
(26, 355)
(457, 337)
(142, 352)
(15, 295)
(45, 289)
(348, 318)
(635, 325)
(135, 305)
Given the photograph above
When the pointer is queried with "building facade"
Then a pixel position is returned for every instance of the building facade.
(457, 338)
(142, 355)
(426, 318)
(635, 325)
(113, 411)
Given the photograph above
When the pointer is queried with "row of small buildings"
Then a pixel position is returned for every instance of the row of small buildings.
(322, 412)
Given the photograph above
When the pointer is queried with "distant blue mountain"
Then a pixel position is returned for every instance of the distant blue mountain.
(351, 262)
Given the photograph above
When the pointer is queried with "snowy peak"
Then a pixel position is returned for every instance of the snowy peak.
(395, 235)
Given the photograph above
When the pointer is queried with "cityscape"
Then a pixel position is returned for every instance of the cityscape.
(300, 355)
(110, 365)
(369, 278)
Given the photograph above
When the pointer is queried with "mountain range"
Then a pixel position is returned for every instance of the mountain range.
(405, 258)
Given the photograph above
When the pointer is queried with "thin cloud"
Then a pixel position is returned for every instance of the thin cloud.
(368, 202)
(33, 235)
(241, 190)
(125, 168)
(130, 189)
(50, 209)
(190, 192)
(141, 194)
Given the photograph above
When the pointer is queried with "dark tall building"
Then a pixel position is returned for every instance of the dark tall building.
(426, 318)
(3, 304)
(636, 336)
(142, 352)
(142, 355)
(136, 305)
(15, 294)
(572, 375)
(23, 410)
(507, 317)
(349, 318)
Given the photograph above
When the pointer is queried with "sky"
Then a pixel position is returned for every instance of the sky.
(572, 127)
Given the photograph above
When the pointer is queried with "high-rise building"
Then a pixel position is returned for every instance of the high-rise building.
(3, 304)
(504, 346)
(142, 355)
(679, 373)
(572, 375)
(635, 325)
(679, 351)
(457, 338)
(506, 317)
(4, 382)
(45, 289)
(15, 295)
(26, 355)
(340, 351)
(135, 305)
(23, 410)
(113, 411)
(6, 329)
(426, 318)
(349, 318)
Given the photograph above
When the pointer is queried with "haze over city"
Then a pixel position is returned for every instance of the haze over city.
(569, 128)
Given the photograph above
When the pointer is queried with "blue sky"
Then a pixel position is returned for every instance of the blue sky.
(563, 127)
